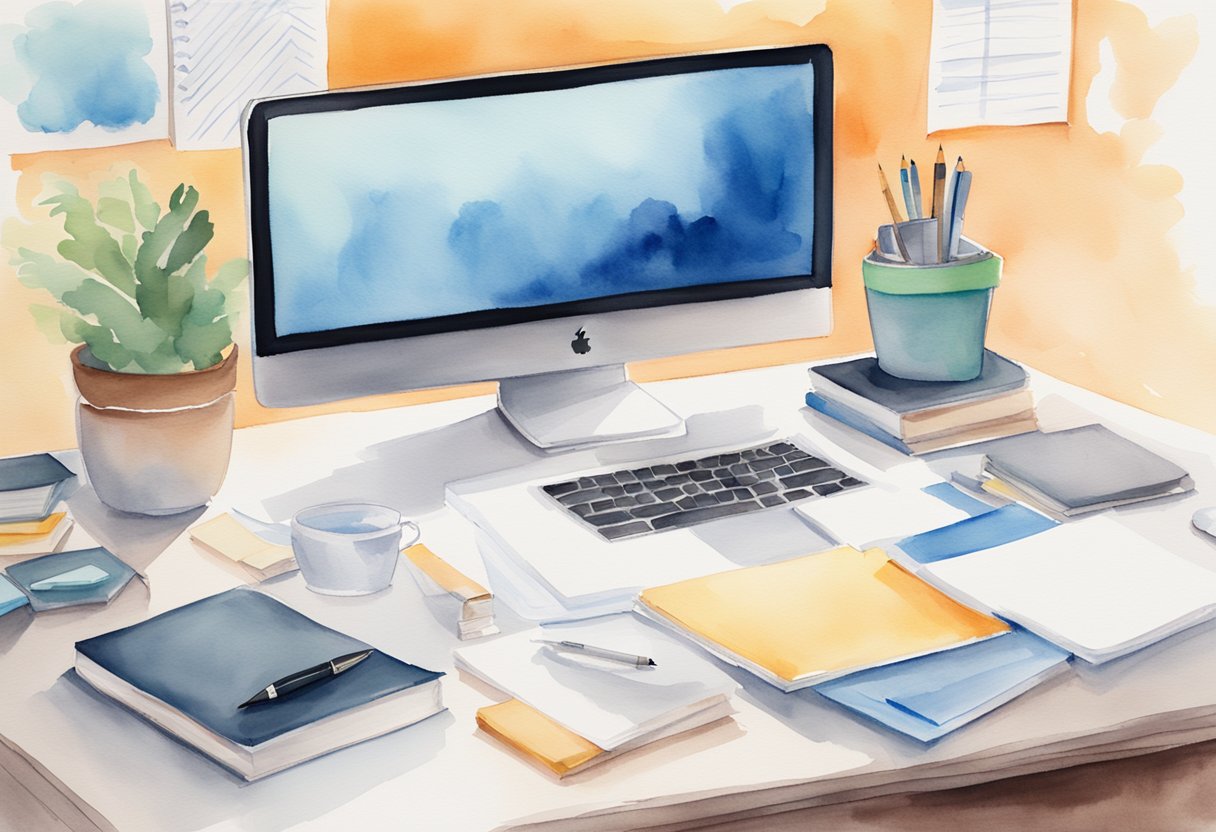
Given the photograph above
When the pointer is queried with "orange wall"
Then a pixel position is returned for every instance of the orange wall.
(1093, 291)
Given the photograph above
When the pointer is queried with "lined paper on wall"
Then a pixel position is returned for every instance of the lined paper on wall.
(999, 62)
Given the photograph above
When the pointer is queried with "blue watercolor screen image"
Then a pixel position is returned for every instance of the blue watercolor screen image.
(411, 211)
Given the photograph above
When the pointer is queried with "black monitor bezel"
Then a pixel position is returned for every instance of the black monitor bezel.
(269, 342)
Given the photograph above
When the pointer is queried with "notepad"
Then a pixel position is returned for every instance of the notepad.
(929, 697)
(1091, 586)
(227, 537)
(813, 618)
(606, 703)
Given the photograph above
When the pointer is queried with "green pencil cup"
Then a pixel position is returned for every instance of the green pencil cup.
(929, 322)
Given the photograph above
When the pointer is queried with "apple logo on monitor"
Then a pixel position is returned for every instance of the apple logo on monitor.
(581, 343)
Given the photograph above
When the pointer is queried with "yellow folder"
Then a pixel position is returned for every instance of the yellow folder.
(536, 736)
(814, 617)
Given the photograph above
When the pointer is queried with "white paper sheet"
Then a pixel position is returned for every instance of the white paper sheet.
(867, 515)
(1090, 586)
(229, 52)
(604, 702)
(999, 62)
(88, 74)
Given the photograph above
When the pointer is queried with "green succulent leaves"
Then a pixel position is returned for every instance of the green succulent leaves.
(132, 281)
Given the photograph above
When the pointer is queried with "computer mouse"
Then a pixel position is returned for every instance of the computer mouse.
(1205, 520)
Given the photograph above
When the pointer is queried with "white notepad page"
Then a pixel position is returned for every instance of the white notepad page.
(1090, 586)
(605, 702)
(867, 515)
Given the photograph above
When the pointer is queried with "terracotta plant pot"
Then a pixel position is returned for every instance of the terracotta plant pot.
(154, 444)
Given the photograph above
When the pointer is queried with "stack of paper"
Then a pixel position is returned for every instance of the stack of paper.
(928, 697)
(570, 710)
(1092, 587)
(35, 537)
(1085, 469)
(810, 619)
(227, 537)
(30, 486)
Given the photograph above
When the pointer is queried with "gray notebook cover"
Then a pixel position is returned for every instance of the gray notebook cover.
(35, 471)
(1084, 466)
(206, 658)
(47, 566)
(864, 377)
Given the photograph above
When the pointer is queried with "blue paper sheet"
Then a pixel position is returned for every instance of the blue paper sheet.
(993, 528)
(928, 697)
(10, 597)
(962, 501)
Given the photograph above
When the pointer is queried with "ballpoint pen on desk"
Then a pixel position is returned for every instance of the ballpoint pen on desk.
(960, 189)
(906, 182)
(914, 180)
(598, 652)
(895, 218)
(939, 197)
(293, 682)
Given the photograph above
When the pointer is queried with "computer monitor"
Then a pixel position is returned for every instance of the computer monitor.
(542, 229)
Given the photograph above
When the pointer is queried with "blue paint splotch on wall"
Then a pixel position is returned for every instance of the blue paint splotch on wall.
(86, 64)
(415, 211)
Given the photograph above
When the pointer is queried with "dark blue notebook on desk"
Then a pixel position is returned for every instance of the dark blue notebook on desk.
(863, 377)
(202, 660)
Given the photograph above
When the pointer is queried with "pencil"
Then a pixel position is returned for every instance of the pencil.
(895, 218)
(939, 197)
(906, 183)
(960, 190)
(914, 177)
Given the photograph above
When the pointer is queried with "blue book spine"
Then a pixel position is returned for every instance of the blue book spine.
(851, 418)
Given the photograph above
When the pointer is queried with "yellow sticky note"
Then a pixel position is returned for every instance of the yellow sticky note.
(444, 574)
(821, 614)
(530, 732)
(225, 535)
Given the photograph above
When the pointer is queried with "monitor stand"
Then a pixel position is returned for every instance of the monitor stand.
(583, 408)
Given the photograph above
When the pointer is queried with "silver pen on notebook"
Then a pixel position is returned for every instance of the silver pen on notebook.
(597, 652)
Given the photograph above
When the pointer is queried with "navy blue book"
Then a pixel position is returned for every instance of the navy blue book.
(189, 669)
(30, 486)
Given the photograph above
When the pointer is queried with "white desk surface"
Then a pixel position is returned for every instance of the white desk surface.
(780, 751)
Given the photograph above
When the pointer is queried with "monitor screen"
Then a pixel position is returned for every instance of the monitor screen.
(483, 202)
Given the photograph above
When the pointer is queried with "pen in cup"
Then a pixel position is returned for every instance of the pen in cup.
(597, 652)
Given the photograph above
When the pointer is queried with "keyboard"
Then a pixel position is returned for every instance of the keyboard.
(683, 493)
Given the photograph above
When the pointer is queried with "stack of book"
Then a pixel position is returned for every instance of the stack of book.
(917, 417)
(31, 488)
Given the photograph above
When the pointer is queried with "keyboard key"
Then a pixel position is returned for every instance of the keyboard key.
(808, 464)
(608, 518)
(701, 476)
(601, 505)
(646, 497)
(700, 515)
(582, 510)
(687, 503)
(784, 470)
(667, 494)
(663, 470)
(586, 482)
(747, 479)
(712, 485)
(742, 493)
(628, 501)
(705, 499)
(827, 488)
(686, 466)
(851, 482)
(613, 490)
(678, 479)
(634, 488)
(654, 510)
(724, 496)
(782, 448)
(581, 497)
(767, 464)
(559, 488)
(604, 479)
(772, 500)
(812, 478)
(628, 530)
(740, 469)
(763, 488)
(626, 476)
(692, 488)
(729, 459)
(797, 494)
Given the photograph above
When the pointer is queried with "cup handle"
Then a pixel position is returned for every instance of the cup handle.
(410, 537)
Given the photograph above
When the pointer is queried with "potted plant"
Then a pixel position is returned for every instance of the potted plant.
(155, 365)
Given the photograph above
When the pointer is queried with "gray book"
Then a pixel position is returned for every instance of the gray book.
(1083, 469)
